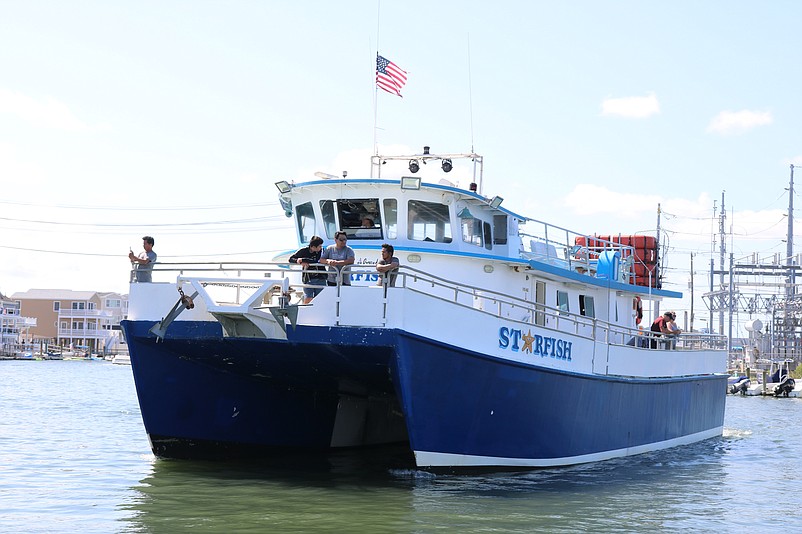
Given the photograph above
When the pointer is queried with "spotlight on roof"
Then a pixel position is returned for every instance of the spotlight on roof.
(447, 165)
(496, 201)
(414, 166)
(283, 186)
(410, 182)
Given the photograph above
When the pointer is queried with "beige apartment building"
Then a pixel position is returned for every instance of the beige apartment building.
(80, 319)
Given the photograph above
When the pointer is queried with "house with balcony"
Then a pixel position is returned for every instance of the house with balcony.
(75, 319)
(14, 327)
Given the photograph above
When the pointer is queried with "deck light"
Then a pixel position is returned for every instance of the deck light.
(283, 187)
(496, 201)
(414, 166)
(447, 165)
(465, 213)
(410, 182)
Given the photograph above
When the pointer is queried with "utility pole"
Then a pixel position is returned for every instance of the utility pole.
(659, 269)
(789, 255)
(722, 230)
(691, 329)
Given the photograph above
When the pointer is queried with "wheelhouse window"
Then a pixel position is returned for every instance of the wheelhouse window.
(391, 218)
(499, 229)
(472, 231)
(305, 219)
(477, 232)
(586, 306)
(358, 218)
(428, 221)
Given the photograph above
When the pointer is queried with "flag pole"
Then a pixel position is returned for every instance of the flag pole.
(375, 86)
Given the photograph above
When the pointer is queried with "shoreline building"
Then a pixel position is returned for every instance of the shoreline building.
(89, 320)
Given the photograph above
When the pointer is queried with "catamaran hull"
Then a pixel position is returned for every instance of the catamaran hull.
(205, 395)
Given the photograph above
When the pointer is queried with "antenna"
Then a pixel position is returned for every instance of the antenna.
(470, 90)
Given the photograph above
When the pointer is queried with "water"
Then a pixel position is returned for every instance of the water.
(74, 458)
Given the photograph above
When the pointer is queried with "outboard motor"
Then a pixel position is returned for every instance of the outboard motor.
(740, 386)
(785, 387)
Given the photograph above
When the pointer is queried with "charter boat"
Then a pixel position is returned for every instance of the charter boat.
(501, 342)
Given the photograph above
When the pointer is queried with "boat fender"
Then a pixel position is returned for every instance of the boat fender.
(785, 387)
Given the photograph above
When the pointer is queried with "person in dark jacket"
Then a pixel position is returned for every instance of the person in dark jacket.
(660, 327)
(313, 275)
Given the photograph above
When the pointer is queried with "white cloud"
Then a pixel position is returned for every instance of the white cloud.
(632, 107)
(737, 122)
(44, 113)
(16, 169)
(589, 199)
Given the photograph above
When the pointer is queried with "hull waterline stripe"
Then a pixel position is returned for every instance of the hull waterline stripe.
(438, 459)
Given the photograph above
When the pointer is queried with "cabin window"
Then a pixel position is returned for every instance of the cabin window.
(305, 219)
(329, 218)
(488, 235)
(499, 229)
(391, 218)
(540, 303)
(472, 231)
(358, 218)
(586, 306)
(427, 221)
(562, 302)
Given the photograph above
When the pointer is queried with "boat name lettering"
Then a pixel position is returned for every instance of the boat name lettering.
(515, 340)
(366, 277)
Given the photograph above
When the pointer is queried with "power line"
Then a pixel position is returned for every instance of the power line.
(139, 224)
(149, 208)
(96, 255)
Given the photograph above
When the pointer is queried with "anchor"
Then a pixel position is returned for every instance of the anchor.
(285, 309)
(184, 303)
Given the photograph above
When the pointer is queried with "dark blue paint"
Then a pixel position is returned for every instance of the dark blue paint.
(198, 388)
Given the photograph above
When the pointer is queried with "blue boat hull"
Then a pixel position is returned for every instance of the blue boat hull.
(471, 409)
(203, 395)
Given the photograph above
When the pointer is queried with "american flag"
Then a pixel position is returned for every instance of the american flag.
(389, 76)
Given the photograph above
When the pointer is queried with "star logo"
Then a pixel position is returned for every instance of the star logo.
(528, 339)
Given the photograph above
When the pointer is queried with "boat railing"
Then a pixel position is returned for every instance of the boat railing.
(523, 311)
(561, 247)
(263, 282)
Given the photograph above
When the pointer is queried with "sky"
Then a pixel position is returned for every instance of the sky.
(175, 119)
